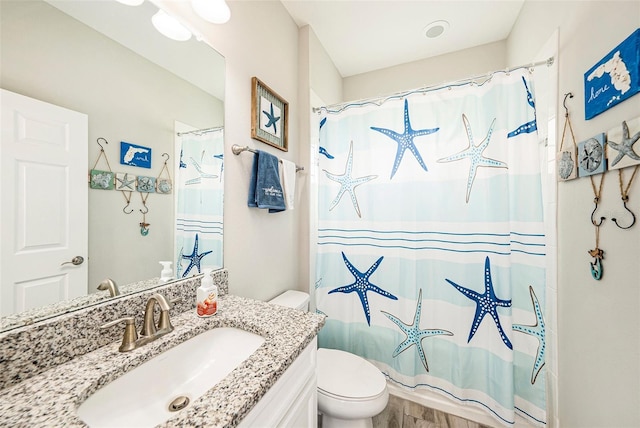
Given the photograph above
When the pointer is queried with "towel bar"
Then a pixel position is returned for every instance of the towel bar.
(236, 149)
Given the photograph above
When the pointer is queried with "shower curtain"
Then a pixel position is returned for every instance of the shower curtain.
(199, 189)
(431, 257)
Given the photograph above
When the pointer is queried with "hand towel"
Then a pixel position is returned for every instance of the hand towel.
(289, 182)
(265, 190)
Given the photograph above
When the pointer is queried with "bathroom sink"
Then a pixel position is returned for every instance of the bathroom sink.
(153, 392)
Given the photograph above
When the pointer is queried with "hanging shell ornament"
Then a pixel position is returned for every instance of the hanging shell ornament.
(566, 165)
(596, 266)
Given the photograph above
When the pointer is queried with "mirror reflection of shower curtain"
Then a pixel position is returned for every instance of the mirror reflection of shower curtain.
(199, 209)
(431, 248)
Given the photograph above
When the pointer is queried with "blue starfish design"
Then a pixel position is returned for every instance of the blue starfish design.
(125, 182)
(182, 164)
(474, 153)
(347, 183)
(414, 333)
(203, 174)
(221, 157)
(538, 331)
(405, 140)
(272, 119)
(486, 303)
(626, 146)
(529, 126)
(194, 258)
(362, 285)
(324, 151)
(179, 264)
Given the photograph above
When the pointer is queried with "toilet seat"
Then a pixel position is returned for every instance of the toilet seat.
(348, 377)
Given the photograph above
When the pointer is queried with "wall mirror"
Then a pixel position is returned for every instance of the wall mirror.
(106, 60)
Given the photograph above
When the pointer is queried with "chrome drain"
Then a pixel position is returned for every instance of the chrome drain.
(179, 403)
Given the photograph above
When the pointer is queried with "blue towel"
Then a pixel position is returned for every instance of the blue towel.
(265, 190)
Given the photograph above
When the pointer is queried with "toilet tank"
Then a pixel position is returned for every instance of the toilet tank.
(292, 299)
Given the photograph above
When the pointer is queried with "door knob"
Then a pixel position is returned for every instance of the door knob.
(77, 260)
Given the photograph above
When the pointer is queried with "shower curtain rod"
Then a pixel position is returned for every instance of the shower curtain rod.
(338, 107)
(200, 131)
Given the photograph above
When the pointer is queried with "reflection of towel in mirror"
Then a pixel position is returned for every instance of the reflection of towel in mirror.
(265, 190)
(289, 182)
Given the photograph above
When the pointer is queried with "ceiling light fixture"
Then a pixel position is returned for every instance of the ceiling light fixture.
(131, 2)
(436, 29)
(214, 11)
(170, 27)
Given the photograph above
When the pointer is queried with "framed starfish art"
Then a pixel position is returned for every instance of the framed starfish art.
(623, 144)
(269, 116)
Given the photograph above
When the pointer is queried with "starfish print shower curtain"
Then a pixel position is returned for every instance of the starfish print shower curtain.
(431, 256)
(199, 212)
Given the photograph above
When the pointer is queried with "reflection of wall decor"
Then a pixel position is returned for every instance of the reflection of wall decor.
(591, 156)
(98, 179)
(163, 184)
(620, 144)
(146, 184)
(101, 180)
(134, 155)
(125, 181)
(614, 78)
(269, 116)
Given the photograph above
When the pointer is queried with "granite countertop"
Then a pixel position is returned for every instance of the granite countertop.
(52, 397)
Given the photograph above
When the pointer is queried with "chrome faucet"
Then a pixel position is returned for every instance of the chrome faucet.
(109, 284)
(150, 331)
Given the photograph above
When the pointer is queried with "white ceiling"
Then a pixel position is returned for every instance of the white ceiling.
(132, 28)
(367, 35)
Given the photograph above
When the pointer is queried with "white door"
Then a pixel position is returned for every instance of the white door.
(43, 203)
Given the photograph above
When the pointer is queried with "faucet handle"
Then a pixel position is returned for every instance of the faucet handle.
(130, 335)
(164, 323)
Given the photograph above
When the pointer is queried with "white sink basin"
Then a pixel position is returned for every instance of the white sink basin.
(142, 397)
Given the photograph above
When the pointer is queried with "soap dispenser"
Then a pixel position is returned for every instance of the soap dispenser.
(207, 296)
(167, 273)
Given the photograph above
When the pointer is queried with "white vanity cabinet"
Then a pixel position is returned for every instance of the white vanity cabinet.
(292, 401)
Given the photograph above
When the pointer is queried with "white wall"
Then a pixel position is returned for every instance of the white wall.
(598, 321)
(431, 71)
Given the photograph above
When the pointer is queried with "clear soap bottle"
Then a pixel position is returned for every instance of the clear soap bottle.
(167, 273)
(206, 296)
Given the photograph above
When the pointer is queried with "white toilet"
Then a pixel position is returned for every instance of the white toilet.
(351, 390)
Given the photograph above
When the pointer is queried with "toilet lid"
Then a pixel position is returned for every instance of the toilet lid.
(347, 375)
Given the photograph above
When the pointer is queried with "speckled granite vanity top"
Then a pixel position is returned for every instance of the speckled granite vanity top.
(51, 397)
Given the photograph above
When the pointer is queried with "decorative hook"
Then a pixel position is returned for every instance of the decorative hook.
(596, 266)
(128, 199)
(146, 210)
(564, 103)
(602, 219)
(633, 216)
(98, 141)
(167, 155)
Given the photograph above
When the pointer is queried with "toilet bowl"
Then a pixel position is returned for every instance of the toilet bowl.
(351, 390)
